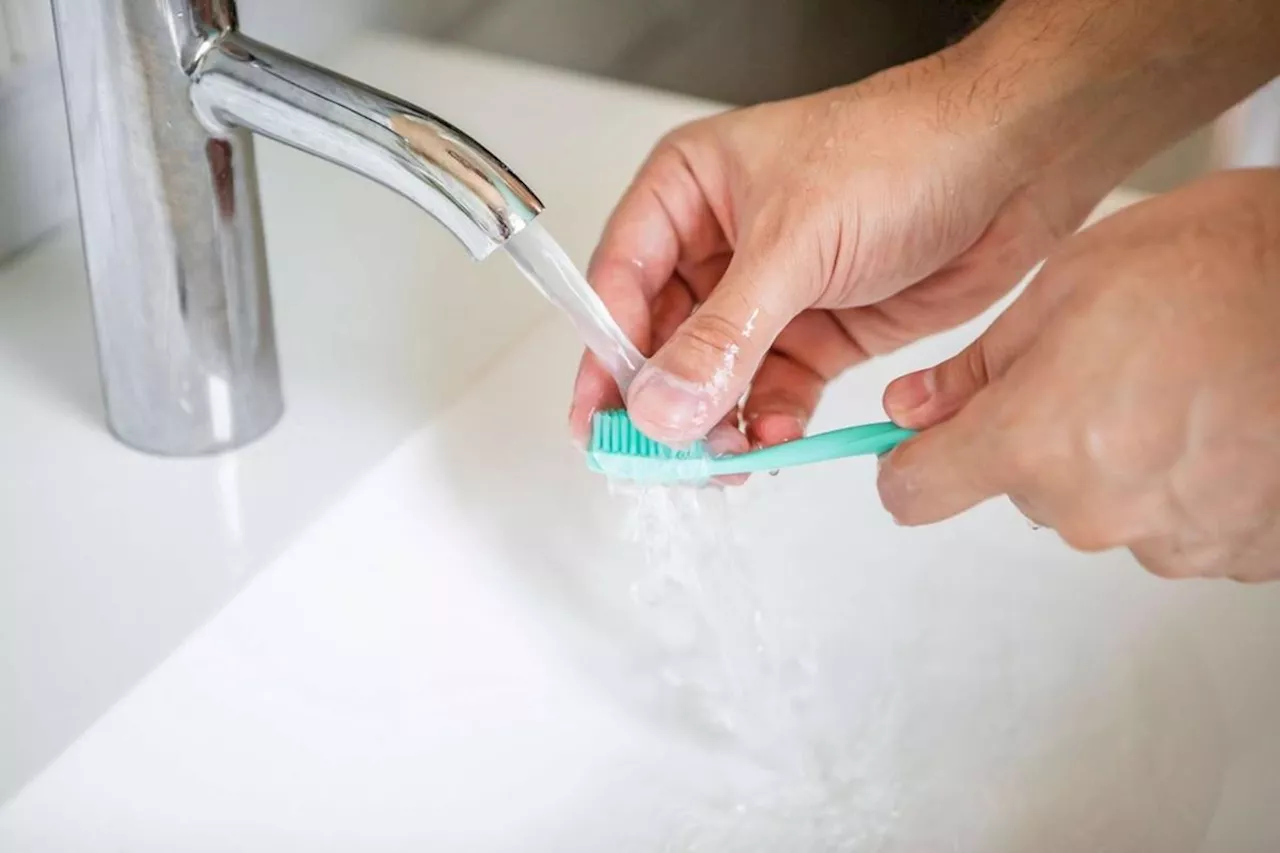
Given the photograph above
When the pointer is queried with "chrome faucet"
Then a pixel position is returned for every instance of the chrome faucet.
(163, 98)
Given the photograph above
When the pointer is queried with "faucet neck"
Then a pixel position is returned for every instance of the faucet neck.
(242, 83)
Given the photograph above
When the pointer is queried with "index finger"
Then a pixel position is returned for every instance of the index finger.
(662, 223)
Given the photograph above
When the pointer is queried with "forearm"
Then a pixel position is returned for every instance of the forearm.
(1095, 87)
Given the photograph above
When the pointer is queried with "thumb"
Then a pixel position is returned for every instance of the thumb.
(960, 459)
(928, 397)
(702, 372)
(946, 470)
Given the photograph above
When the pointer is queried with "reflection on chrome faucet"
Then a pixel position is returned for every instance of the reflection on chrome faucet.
(163, 97)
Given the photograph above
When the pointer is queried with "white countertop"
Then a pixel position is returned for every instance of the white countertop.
(393, 624)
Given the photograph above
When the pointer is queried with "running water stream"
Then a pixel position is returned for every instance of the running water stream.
(545, 264)
(746, 686)
(749, 681)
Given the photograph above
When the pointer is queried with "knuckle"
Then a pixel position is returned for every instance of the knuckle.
(976, 366)
(1090, 536)
(1170, 558)
(1254, 575)
(1162, 567)
(791, 218)
(770, 225)
(965, 373)
(675, 143)
(671, 156)
(670, 145)
(671, 141)
(711, 338)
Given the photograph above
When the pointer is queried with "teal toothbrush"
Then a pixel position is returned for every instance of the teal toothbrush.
(619, 450)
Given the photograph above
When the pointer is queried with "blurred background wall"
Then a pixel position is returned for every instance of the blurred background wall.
(735, 51)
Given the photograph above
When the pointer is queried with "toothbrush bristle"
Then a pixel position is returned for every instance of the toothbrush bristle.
(613, 433)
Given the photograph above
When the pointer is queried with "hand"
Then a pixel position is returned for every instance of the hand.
(811, 234)
(818, 231)
(1130, 397)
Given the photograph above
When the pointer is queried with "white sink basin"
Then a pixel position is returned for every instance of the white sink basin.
(454, 657)
(451, 660)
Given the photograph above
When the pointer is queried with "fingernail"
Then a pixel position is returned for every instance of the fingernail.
(912, 393)
(724, 440)
(674, 408)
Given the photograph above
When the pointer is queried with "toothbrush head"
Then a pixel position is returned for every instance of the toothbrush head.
(620, 451)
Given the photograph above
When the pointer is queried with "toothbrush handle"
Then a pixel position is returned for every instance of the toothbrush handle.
(864, 440)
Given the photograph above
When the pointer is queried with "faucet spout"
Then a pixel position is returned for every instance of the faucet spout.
(163, 98)
(240, 82)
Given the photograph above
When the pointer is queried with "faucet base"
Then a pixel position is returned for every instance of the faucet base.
(239, 438)
(172, 236)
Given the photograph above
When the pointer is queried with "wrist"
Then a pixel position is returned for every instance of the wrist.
(1081, 92)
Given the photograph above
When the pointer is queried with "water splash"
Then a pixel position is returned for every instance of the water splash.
(750, 684)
